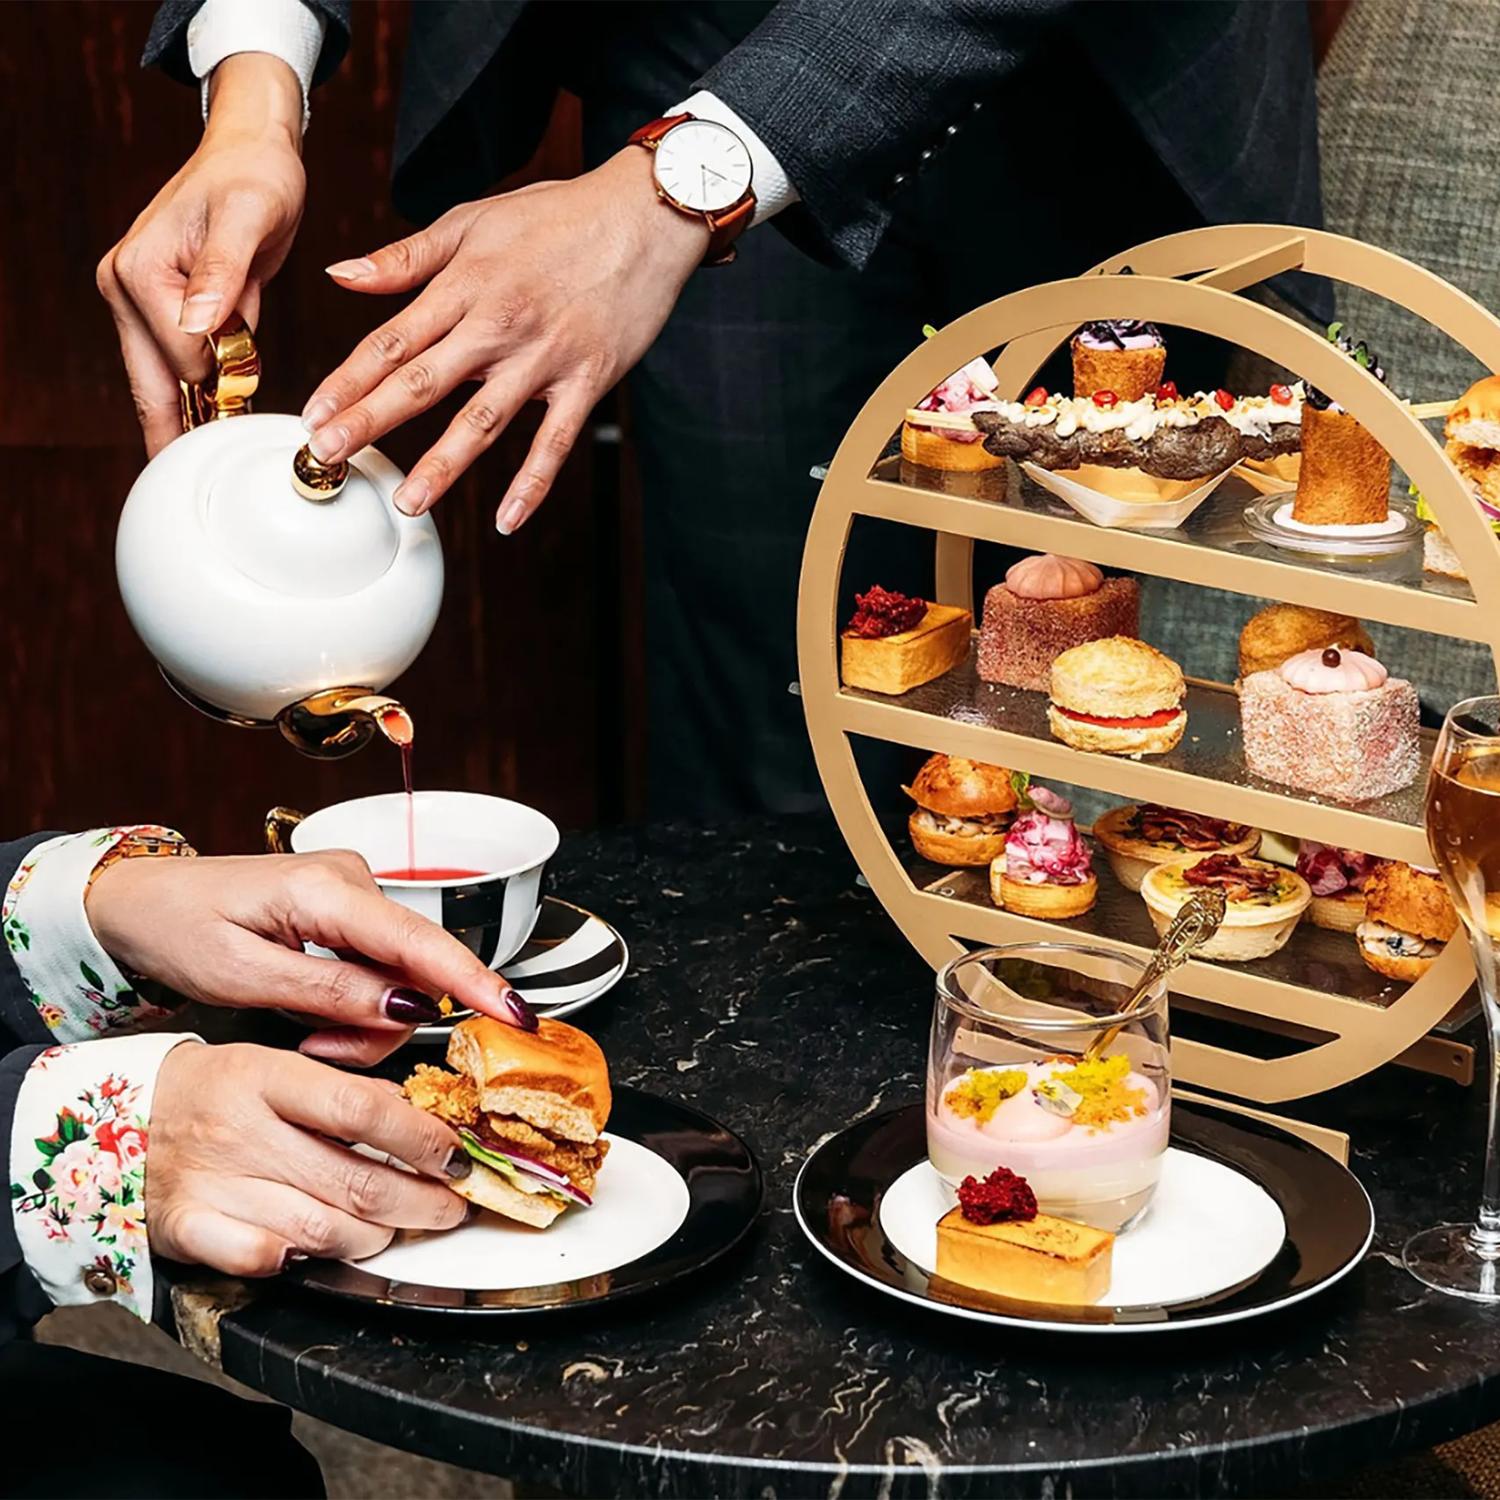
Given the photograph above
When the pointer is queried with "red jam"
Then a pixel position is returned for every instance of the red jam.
(1001, 1198)
(1105, 399)
(881, 612)
(1281, 395)
(1224, 398)
(1167, 391)
(1037, 396)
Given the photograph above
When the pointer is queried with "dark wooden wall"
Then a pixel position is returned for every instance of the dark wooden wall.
(520, 690)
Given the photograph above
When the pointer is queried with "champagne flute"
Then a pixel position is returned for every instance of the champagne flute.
(1463, 828)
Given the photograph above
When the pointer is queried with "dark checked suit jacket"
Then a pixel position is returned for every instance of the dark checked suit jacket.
(853, 96)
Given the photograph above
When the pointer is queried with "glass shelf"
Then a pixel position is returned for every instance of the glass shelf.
(961, 714)
(1213, 549)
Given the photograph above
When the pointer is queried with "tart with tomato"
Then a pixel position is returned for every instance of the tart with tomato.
(1118, 696)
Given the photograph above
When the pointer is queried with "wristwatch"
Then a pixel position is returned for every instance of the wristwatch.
(702, 168)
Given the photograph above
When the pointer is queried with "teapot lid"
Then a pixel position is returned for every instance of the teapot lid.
(268, 519)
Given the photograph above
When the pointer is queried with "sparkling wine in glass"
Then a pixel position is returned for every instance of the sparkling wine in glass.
(1463, 828)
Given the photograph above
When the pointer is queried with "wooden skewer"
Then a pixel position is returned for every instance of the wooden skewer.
(948, 421)
(1421, 410)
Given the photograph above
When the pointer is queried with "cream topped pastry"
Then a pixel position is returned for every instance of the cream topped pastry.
(1119, 333)
(1332, 670)
(1046, 869)
(1087, 1135)
(1123, 355)
(1045, 606)
(1333, 722)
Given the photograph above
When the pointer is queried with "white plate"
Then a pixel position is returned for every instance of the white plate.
(1269, 520)
(1177, 1253)
(1129, 515)
(641, 1203)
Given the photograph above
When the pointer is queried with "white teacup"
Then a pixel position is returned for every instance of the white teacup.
(487, 856)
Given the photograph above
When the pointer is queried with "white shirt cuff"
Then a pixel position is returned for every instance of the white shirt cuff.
(287, 29)
(78, 1151)
(772, 188)
(78, 990)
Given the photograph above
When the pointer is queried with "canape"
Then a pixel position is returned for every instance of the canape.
(1123, 355)
(1264, 902)
(1139, 836)
(895, 642)
(1409, 917)
(938, 433)
(1337, 878)
(1345, 475)
(1046, 869)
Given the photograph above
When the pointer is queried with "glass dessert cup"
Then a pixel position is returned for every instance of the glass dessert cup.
(1463, 830)
(1010, 1082)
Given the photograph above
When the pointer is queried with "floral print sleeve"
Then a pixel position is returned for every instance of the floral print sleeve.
(78, 1155)
(74, 984)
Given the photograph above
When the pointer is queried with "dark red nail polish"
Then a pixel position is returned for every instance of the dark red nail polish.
(521, 1013)
(410, 1007)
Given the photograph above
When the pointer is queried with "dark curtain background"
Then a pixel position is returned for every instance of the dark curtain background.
(530, 686)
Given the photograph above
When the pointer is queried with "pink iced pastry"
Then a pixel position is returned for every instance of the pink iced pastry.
(1046, 606)
(1331, 722)
(962, 391)
(1087, 1136)
(1044, 846)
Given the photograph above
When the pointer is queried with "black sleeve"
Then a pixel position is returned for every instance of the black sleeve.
(849, 94)
(166, 47)
(22, 1036)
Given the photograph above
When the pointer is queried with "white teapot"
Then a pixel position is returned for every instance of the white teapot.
(270, 588)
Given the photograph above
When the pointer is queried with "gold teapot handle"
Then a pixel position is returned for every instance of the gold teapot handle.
(236, 373)
(280, 822)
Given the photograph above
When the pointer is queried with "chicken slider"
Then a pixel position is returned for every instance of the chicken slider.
(963, 810)
(528, 1107)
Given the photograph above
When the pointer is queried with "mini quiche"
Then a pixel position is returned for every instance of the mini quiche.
(1265, 902)
(1139, 836)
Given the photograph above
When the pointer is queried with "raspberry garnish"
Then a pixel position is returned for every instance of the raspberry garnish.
(1002, 1197)
(882, 612)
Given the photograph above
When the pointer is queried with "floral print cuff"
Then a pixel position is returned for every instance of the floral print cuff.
(77, 989)
(78, 1169)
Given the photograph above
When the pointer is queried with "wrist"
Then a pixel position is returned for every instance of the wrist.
(255, 96)
(112, 896)
(663, 232)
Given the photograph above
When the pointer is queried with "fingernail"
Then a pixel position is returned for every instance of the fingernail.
(459, 1163)
(199, 312)
(410, 1007)
(351, 270)
(291, 1257)
(316, 413)
(511, 518)
(411, 495)
(327, 442)
(520, 1012)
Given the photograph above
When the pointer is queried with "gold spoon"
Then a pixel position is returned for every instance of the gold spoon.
(1196, 921)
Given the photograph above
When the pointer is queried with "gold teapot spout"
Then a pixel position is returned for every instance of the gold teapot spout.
(338, 721)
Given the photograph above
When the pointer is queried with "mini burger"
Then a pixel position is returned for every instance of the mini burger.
(528, 1107)
(1119, 696)
(1408, 918)
(963, 810)
(1473, 445)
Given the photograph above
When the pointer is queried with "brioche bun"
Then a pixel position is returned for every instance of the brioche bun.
(960, 788)
(930, 449)
(1116, 678)
(1475, 418)
(487, 1188)
(1480, 468)
(1410, 900)
(554, 1078)
(1280, 631)
(962, 849)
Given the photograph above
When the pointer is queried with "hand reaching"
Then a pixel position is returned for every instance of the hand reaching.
(549, 293)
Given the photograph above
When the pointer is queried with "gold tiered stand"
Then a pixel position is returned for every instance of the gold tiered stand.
(1316, 989)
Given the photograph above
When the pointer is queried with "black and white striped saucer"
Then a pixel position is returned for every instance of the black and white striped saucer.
(570, 960)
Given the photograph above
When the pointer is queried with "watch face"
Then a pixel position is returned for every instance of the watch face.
(703, 166)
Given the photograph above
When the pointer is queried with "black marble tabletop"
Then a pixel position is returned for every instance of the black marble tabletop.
(768, 988)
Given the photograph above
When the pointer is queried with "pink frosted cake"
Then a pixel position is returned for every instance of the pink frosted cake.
(1332, 722)
(1046, 606)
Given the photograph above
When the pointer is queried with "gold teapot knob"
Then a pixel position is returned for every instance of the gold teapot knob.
(236, 373)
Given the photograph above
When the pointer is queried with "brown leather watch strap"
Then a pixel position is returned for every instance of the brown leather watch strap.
(724, 228)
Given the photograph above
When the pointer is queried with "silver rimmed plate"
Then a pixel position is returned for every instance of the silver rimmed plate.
(1248, 1219)
(571, 959)
(677, 1190)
